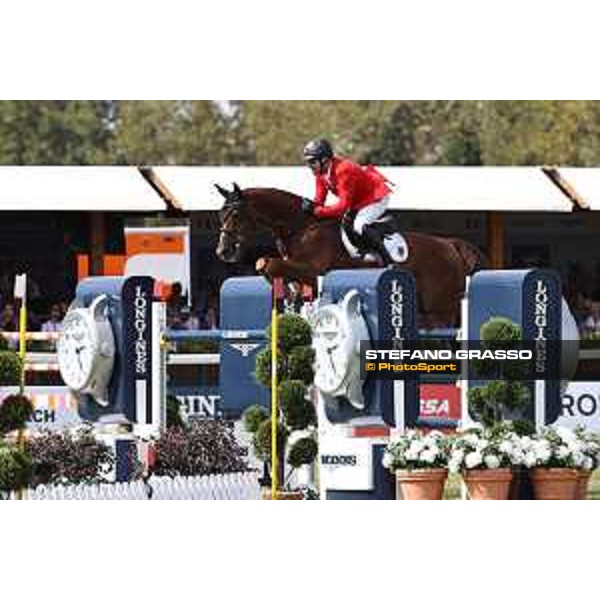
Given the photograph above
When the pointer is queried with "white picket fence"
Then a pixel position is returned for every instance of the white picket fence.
(230, 486)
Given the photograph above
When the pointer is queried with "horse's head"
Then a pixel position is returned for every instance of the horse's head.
(238, 227)
(253, 210)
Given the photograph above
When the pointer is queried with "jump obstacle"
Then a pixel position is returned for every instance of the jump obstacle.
(368, 304)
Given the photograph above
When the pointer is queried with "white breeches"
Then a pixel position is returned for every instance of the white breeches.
(370, 214)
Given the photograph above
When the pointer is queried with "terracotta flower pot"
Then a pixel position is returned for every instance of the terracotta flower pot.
(282, 495)
(583, 480)
(420, 484)
(555, 484)
(488, 484)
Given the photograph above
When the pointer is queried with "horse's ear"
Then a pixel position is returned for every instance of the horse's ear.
(222, 191)
(237, 191)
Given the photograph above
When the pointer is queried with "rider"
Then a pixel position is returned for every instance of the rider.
(363, 193)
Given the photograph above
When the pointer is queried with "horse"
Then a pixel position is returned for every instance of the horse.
(309, 247)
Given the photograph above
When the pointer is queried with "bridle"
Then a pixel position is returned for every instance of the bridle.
(238, 209)
(233, 210)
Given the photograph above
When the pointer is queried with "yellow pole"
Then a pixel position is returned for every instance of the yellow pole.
(274, 399)
(22, 353)
(22, 341)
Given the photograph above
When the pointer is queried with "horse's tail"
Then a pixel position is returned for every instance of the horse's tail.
(474, 259)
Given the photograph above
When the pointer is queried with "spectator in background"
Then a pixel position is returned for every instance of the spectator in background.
(64, 307)
(175, 303)
(8, 318)
(211, 317)
(176, 321)
(54, 323)
(592, 322)
(176, 300)
(8, 322)
(189, 318)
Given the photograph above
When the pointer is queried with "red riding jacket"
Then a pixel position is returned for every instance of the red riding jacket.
(355, 187)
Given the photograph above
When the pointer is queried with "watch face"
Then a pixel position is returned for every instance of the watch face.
(327, 327)
(330, 351)
(76, 349)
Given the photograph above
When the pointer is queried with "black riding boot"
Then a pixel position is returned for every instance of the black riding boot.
(374, 240)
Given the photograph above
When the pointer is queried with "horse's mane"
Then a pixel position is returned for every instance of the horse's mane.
(253, 193)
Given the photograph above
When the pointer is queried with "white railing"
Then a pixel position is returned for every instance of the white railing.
(230, 486)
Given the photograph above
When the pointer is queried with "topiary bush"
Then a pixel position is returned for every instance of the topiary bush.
(204, 447)
(174, 416)
(507, 394)
(10, 368)
(296, 412)
(295, 355)
(293, 331)
(69, 458)
(15, 411)
(15, 468)
(300, 364)
(262, 440)
(303, 452)
(253, 416)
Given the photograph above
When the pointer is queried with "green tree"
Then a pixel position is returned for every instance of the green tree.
(276, 131)
(536, 132)
(176, 132)
(54, 132)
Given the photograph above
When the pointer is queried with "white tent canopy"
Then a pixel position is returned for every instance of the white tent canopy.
(476, 188)
(194, 187)
(417, 188)
(119, 189)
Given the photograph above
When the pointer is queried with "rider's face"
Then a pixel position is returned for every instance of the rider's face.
(318, 167)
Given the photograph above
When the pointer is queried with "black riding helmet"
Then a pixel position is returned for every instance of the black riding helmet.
(317, 150)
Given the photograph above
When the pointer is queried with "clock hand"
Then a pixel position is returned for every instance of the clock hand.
(329, 351)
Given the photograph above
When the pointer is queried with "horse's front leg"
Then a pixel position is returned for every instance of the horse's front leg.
(287, 269)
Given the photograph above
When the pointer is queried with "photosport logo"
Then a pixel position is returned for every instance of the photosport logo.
(416, 357)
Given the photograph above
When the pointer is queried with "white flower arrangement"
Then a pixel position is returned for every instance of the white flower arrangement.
(482, 449)
(559, 447)
(552, 447)
(416, 449)
(590, 447)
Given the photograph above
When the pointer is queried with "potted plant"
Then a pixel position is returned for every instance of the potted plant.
(296, 415)
(500, 401)
(590, 443)
(554, 457)
(505, 394)
(420, 462)
(485, 458)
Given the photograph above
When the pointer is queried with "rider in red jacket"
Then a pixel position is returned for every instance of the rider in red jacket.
(362, 192)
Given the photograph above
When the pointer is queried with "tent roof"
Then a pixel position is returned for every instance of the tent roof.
(418, 188)
(119, 189)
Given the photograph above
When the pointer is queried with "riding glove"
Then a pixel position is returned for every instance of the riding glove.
(308, 206)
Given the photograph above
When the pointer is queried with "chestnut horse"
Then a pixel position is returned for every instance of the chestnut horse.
(309, 247)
